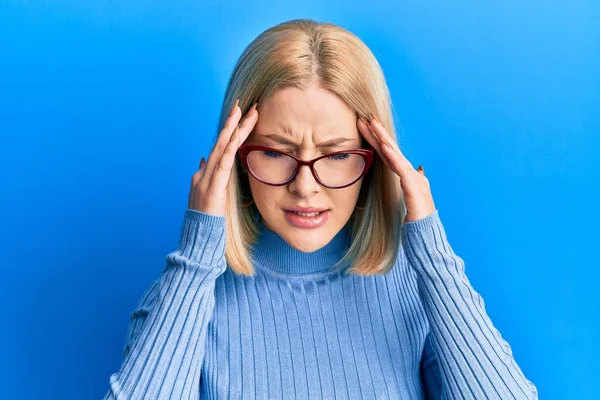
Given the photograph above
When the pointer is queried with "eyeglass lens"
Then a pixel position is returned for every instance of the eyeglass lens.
(335, 170)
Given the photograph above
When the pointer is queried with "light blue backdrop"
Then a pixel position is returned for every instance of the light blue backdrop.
(107, 107)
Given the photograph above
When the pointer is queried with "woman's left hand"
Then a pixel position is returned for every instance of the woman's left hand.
(415, 185)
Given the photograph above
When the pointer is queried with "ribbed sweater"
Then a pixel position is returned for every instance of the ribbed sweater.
(299, 329)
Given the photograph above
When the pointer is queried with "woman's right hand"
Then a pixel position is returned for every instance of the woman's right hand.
(208, 188)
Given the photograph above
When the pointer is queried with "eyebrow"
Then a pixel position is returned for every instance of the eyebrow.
(329, 143)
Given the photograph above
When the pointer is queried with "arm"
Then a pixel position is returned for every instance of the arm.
(464, 351)
(164, 346)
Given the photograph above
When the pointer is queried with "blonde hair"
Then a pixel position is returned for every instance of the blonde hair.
(299, 53)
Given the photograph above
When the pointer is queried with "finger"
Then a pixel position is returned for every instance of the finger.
(239, 135)
(395, 162)
(245, 127)
(223, 139)
(220, 175)
(389, 147)
(199, 172)
(196, 177)
(367, 132)
(398, 164)
(202, 167)
(381, 133)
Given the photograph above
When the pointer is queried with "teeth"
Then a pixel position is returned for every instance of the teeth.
(312, 214)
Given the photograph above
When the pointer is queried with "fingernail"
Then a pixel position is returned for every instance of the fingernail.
(234, 106)
(253, 109)
(374, 120)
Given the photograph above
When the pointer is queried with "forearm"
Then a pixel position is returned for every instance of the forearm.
(475, 361)
(165, 349)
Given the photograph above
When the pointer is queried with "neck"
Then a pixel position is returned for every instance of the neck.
(272, 252)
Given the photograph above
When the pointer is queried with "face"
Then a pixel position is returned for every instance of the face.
(298, 122)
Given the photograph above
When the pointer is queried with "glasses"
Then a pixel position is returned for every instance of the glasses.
(334, 170)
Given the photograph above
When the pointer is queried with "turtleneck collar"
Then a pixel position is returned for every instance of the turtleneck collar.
(272, 252)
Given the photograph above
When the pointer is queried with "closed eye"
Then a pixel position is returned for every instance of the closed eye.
(272, 154)
(339, 157)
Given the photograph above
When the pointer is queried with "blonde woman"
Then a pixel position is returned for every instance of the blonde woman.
(312, 262)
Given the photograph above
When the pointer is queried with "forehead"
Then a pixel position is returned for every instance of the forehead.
(305, 114)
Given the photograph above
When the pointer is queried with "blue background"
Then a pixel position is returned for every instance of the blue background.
(107, 107)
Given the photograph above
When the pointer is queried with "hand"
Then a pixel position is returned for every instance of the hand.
(208, 188)
(415, 186)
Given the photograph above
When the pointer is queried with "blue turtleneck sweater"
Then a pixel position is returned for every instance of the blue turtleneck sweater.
(299, 329)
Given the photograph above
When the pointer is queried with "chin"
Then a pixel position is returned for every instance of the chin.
(306, 241)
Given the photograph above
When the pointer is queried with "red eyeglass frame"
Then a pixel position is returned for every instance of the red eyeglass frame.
(367, 154)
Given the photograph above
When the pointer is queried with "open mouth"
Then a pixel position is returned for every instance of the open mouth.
(312, 214)
(307, 220)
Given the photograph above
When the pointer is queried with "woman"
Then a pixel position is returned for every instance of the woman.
(312, 262)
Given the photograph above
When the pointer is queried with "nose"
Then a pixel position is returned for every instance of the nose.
(304, 183)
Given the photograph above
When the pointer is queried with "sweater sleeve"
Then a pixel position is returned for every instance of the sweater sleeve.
(164, 344)
(463, 351)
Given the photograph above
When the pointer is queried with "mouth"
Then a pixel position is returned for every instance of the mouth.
(305, 214)
(306, 211)
(307, 220)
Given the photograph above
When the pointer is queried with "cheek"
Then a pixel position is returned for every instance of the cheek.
(345, 199)
(265, 196)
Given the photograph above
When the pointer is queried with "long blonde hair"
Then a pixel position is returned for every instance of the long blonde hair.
(298, 53)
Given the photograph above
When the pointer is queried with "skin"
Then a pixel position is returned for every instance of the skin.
(312, 116)
(305, 118)
(414, 183)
